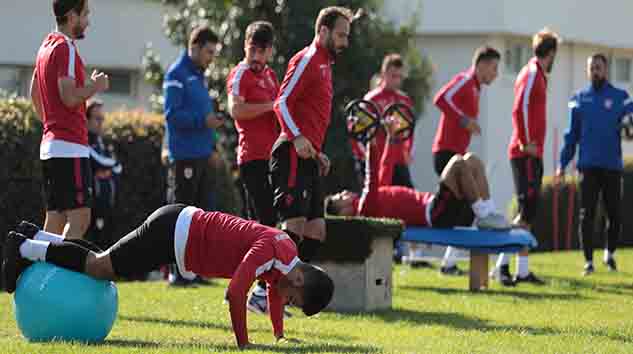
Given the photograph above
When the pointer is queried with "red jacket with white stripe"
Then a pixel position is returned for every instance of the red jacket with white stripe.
(304, 103)
(383, 97)
(529, 110)
(457, 100)
(255, 136)
(225, 246)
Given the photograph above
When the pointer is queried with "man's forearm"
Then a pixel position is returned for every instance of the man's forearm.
(73, 96)
(246, 111)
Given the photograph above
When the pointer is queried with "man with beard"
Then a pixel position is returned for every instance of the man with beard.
(526, 145)
(252, 87)
(303, 110)
(59, 90)
(191, 118)
(595, 114)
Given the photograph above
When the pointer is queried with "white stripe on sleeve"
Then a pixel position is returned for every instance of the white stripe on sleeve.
(241, 68)
(532, 70)
(296, 76)
(71, 59)
(453, 90)
(172, 83)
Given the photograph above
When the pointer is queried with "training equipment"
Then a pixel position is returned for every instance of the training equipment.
(53, 303)
(402, 116)
(480, 243)
(363, 120)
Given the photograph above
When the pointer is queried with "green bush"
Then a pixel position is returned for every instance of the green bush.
(137, 141)
(568, 224)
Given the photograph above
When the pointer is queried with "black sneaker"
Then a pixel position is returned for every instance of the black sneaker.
(12, 267)
(201, 281)
(453, 270)
(503, 275)
(610, 263)
(27, 229)
(530, 278)
(587, 270)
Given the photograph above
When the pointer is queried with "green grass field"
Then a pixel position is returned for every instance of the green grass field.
(431, 314)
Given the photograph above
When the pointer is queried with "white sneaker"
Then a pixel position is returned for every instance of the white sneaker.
(257, 304)
(494, 221)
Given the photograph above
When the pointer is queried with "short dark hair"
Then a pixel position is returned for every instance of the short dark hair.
(328, 16)
(485, 53)
(544, 42)
(202, 35)
(330, 206)
(600, 56)
(261, 33)
(392, 60)
(61, 8)
(318, 289)
(92, 105)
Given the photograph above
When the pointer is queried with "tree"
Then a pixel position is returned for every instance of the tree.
(372, 37)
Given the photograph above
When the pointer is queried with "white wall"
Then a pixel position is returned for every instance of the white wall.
(115, 39)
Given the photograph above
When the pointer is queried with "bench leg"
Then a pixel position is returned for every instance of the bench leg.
(478, 271)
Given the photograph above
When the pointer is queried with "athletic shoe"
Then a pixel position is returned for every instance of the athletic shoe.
(453, 270)
(27, 229)
(257, 304)
(201, 281)
(587, 270)
(494, 221)
(530, 278)
(610, 263)
(11, 267)
(503, 275)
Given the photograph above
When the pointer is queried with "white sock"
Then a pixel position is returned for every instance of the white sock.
(588, 263)
(490, 204)
(47, 236)
(34, 250)
(502, 260)
(607, 255)
(449, 257)
(522, 266)
(480, 209)
(259, 291)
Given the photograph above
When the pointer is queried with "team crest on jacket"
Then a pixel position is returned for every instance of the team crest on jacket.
(188, 172)
(608, 103)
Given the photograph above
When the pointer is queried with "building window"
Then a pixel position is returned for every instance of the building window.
(516, 56)
(622, 70)
(10, 79)
(121, 82)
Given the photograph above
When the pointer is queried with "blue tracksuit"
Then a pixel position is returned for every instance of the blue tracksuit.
(595, 117)
(187, 104)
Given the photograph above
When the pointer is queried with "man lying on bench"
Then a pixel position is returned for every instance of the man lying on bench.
(463, 196)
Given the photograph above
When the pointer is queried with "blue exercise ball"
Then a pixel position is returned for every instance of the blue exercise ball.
(53, 303)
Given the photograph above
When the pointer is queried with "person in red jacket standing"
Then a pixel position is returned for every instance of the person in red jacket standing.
(387, 93)
(303, 110)
(526, 144)
(458, 100)
(59, 90)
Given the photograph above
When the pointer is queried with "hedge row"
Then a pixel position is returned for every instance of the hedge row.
(566, 233)
(137, 140)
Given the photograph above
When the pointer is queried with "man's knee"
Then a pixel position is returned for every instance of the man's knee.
(99, 266)
(296, 225)
(78, 221)
(315, 229)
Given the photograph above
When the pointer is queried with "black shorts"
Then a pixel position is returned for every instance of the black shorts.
(67, 183)
(441, 159)
(296, 183)
(259, 194)
(401, 176)
(149, 246)
(447, 211)
(189, 182)
(528, 178)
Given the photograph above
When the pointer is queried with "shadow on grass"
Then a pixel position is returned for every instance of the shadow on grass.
(593, 285)
(284, 348)
(493, 292)
(209, 325)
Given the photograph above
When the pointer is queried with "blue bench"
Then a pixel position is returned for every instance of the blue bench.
(480, 243)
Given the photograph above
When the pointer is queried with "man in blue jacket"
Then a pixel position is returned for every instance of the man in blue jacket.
(191, 120)
(596, 114)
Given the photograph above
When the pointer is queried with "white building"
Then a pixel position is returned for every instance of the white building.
(115, 42)
(450, 30)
